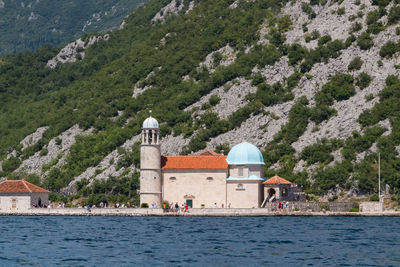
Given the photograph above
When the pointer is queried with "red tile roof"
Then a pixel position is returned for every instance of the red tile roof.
(210, 153)
(277, 180)
(194, 162)
(20, 186)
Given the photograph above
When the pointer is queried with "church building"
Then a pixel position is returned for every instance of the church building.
(206, 180)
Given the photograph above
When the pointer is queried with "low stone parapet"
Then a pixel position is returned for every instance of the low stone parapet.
(313, 206)
(371, 206)
(217, 212)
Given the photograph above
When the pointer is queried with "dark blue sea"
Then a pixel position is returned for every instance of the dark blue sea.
(193, 241)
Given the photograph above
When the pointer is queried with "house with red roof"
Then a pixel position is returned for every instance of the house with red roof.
(279, 189)
(18, 195)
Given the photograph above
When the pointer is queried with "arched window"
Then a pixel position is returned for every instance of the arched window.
(150, 136)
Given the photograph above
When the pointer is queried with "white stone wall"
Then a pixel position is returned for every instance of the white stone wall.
(150, 175)
(248, 170)
(371, 206)
(244, 194)
(22, 202)
(196, 185)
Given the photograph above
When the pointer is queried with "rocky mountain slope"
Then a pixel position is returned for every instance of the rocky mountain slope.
(314, 84)
(28, 25)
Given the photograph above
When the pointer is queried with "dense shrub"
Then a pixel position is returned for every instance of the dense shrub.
(315, 35)
(324, 39)
(341, 11)
(394, 14)
(321, 113)
(387, 106)
(365, 41)
(293, 80)
(308, 10)
(389, 49)
(296, 54)
(374, 197)
(11, 164)
(356, 27)
(355, 64)
(276, 37)
(340, 87)
(214, 100)
(321, 151)
(372, 17)
(329, 177)
(363, 80)
(280, 147)
(375, 28)
(44, 152)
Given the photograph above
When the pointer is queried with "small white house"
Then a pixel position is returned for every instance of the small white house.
(19, 195)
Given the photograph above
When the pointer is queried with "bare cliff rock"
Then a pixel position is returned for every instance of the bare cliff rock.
(72, 51)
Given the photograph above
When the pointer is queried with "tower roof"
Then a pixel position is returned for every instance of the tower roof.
(245, 154)
(277, 180)
(150, 123)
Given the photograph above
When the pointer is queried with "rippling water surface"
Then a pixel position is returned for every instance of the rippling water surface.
(190, 241)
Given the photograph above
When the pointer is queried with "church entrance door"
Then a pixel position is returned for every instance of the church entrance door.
(189, 202)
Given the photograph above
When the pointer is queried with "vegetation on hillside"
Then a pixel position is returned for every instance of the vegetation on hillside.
(96, 94)
(27, 26)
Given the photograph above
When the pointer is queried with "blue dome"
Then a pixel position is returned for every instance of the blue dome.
(245, 154)
(150, 123)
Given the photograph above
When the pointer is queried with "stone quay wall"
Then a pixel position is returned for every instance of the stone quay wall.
(371, 206)
(313, 206)
(210, 212)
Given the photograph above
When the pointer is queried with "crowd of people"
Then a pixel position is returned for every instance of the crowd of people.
(283, 205)
(175, 207)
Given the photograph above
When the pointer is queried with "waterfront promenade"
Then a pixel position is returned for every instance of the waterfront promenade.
(217, 212)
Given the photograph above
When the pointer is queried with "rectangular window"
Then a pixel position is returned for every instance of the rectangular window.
(14, 203)
(240, 172)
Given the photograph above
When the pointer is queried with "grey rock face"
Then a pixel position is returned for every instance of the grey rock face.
(33, 138)
(70, 52)
(228, 57)
(34, 163)
(232, 97)
(171, 145)
(172, 8)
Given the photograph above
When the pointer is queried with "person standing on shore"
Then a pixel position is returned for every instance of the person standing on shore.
(176, 207)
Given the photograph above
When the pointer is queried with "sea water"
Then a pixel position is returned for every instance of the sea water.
(199, 241)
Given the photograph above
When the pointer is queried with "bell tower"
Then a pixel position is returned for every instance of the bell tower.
(150, 164)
